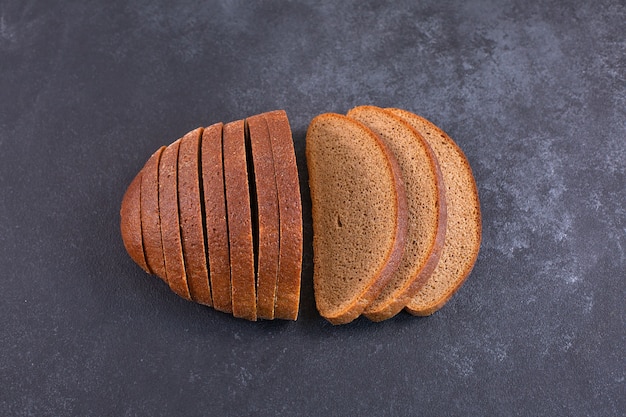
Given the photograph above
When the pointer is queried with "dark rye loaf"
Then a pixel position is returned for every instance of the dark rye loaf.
(359, 212)
(426, 203)
(463, 231)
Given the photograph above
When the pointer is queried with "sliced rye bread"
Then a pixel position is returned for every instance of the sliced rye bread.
(130, 223)
(150, 219)
(427, 209)
(265, 199)
(463, 232)
(290, 215)
(170, 223)
(239, 219)
(359, 212)
(215, 217)
(191, 215)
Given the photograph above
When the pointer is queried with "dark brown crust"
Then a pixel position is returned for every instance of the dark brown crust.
(239, 221)
(191, 219)
(290, 215)
(397, 301)
(170, 226)
(130, 223)
(268, 219)
(215, 212)
(430, 309)
(150, 220)
(379, 278)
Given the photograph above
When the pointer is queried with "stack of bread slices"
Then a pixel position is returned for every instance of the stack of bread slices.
(217, 215)
(396, 216)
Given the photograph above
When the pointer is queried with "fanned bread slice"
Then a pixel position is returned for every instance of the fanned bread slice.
(192, 218)
(267, 211)
(215, 211)
(130, 223)
(426, 204)
(290, 216)
(359, 215)
(239, 219)
(463, 232)
(170, 225)
(150, 219)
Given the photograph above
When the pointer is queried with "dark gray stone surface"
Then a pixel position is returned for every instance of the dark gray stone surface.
(533, 91)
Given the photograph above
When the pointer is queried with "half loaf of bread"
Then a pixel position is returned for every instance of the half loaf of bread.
(217, 215)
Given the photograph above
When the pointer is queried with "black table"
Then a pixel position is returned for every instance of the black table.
(533, 92)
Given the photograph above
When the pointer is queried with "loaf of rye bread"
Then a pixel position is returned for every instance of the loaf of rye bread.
(217, 215)
(359, 211)
(396, 218)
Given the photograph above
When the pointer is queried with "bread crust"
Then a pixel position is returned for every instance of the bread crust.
(413, 273)
(215, 217)
(239, 221)
(472, 216)
(150, 219)
(170, 222)
(287, 300)
(379, 278)
(130, 223)
(192, 219)
(267, 211)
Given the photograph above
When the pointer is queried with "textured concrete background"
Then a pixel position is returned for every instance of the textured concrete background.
(533, 91)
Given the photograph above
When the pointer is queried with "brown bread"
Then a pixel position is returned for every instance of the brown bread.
(239, 221)
(463, 233)
(170, 225)
(150, 219)
(290, 216)
(192, 218)
(359, 214)
(426, 203)
(215, 212)
(267, 212)
(130, 223)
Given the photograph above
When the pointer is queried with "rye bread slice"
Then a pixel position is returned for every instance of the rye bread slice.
(192, 218)
(290, 215)
(130, 223)
(170, 221)
(239, 219)
(266, 204)
(463, 232)
(359, 211)
(427, 209)
(150, 219)
(215, 217)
